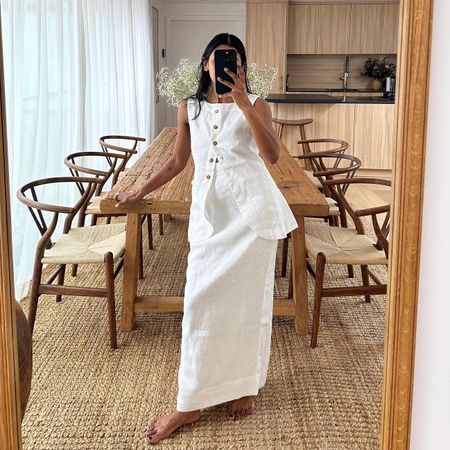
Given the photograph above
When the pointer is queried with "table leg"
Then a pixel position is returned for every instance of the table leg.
(299, 277)
(130, 271)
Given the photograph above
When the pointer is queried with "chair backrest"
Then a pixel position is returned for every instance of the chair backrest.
(107, 144)
(328, 166)
(338, 187)
(28, 195)
(340, 145)
(76, 162)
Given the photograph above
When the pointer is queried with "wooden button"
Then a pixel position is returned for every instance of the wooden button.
(215, 142)
(211, 159)
(208, 176)
(215, 126)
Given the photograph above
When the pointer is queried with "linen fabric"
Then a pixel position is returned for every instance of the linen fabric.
(228, 298)
(221, 131)
(236, 218)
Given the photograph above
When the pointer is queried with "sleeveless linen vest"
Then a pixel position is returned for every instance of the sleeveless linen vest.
(221, 135)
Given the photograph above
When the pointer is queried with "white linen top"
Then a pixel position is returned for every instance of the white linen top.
(222, 131)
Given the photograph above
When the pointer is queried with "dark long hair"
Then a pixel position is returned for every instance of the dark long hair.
(204, 78)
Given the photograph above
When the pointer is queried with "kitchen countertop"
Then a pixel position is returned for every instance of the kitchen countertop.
(368, 90)
(327, 98)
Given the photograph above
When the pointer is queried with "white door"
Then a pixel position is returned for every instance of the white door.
(188, 37)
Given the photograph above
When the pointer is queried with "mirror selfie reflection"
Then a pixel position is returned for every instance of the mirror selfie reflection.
(201, 220)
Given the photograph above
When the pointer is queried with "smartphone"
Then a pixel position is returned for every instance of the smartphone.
(224, 58)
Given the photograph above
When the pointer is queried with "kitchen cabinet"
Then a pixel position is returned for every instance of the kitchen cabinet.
(329, 121)
(365, 28)
(368, 128)
(374, 135)
(302, 29)
(319, 29)
(374, 28)
(266, 37)
(333, 29)
(294, 111)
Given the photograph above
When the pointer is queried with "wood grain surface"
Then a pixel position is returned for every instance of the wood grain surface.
(175, 196)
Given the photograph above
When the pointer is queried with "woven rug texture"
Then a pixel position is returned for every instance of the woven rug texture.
(86, 396)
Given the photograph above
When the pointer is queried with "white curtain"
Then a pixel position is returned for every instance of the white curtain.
(74, 70)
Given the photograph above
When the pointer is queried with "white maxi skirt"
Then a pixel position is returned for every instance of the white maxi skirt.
(228, 306)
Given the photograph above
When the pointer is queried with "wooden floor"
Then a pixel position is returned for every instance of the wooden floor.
(375, 173)
(367, 196)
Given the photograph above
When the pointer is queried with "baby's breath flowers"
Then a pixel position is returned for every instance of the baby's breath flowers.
(260, 79)
(179, 84)
(184, 79)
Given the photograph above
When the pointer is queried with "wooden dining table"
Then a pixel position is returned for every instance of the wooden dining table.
(174, 197)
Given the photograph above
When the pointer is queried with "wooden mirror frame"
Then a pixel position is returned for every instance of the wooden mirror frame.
(414, 46)
(411, 115)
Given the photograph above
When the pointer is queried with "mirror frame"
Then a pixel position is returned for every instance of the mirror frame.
(411, 115)
(10, 410)
(415, 30)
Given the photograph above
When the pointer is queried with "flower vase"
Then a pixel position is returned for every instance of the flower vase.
(376, 84)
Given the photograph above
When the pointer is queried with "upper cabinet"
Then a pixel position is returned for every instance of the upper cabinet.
(266, 37)
(331, 35)
(374, 28)
(276, 28)
(302, 29)
(365, 28)
(319, 29)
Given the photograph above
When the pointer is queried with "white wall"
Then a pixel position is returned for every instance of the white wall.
(431, 399)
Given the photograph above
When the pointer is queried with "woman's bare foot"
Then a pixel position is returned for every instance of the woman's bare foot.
(241, 407)
(163, 426)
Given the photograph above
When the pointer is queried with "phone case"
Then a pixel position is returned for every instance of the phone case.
(224, 58)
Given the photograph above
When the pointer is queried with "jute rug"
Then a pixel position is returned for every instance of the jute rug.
(86, 396)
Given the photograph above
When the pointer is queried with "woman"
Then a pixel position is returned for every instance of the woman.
(237, 216)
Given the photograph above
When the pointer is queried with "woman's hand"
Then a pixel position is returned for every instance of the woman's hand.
(238, 88)
(125, 197)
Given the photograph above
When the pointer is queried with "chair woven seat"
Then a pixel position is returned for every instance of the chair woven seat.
(87, 245)
(94, 205)
(98, 244)
(332, 204)
(314, 179)
(342, 246)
